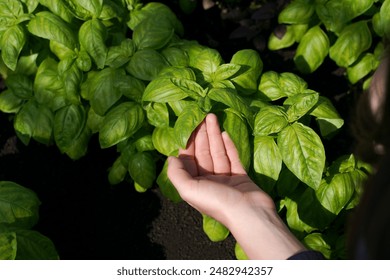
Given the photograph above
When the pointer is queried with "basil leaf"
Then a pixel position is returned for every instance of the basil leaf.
(270, 120)
(34, 120)
(142, 169)
(92, 36)
(153, 33)
(214, 230)
(166, 187)
(146, 64)
(300, 104)
(34, 246)
(85, 9)
(120, 123)
(58, 8)
(118, 56)
(361, 68)
(11, 44)
(8, 246)
(69, 123)
(20, 85)
(117, 172)
(327, 117)
(61, 51)
(225, 71)
(352, 42)
(246, 79)
(9, 102)
(157, 114)
(94, 121)
(164, 140)
(297, 12)
(292, 84)
(270, 87)
(49, 26)
(294, 221)
(186, 124)
(239, 252)
(192, 88)
(175, 56)
(286, 40)
(315, 241)
(303, 153)
(207, 60)
(10, 11)
(163, 90)
(312, 50)
(104, 89)
(267, 161)
(18, 206)
(237, 129)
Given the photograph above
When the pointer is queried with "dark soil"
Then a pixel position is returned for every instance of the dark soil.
(86, 218)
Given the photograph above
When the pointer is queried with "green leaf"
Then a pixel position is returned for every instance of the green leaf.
(207, 60)
(83, 61)
(312, 50)
(300, 104)
(10, 11)
(175, 56)
(303, 153)
(69, 123)
(8, 246)
(92, 36)
(104, 89)
(142, 169)
(192, 88)
(49, 26)
(239, 252)
(238, 131)
(267, 161)
(9, 102)
(118, 56)
(270, 120)
(316, 242)
(335, 195)
(294, 221)
(11, 44)
(34, 246)
(214, 230)
(361, 68)
(21, 85)
(164, 140)
(153, 33)
(58, 8)
(34, 120)
(186, 124)
(117, 172)
(157, 114)
(18, 205)
(225, 71)
(281, 42)
(120, 123)
(292, 84)
(146, 64)
(247, 78)
(85, 9)
(297, 12)
(166, 187)
(144, 142)
(94, 121)
(231, 99)
(162, 90)
(354, 39)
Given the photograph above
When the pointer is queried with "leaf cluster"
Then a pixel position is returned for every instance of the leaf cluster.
(349, 32)
(18, 214)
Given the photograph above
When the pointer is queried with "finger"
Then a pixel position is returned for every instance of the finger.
(232, 153)
(178, 174)
(187, 156)
(217, 147)
(202, 151)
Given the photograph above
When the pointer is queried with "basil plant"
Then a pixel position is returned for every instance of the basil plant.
(118, 69)
(349, 32)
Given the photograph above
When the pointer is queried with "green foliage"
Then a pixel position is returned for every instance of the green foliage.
(120, 70)
(349, 32)
(18, 214)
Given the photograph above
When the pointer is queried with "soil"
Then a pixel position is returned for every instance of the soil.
(86, 218)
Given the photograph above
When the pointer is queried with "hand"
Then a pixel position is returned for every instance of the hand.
(210, 177)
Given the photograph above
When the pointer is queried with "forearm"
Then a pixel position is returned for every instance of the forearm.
(263, 235)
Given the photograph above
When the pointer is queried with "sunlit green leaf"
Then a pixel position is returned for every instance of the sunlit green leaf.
(11, 43)
(270, 120)
(214, 230)
(361, 68)
(58, 8)
(163, 90)
(354, 39)
(157, 114)
(117, 172)
(297, 12)
(142, 169)
(303, 153)
(300, 104)
(146, 64)
(153, 33)
(164, 140)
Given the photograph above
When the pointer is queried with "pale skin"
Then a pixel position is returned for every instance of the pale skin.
(210, 177)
